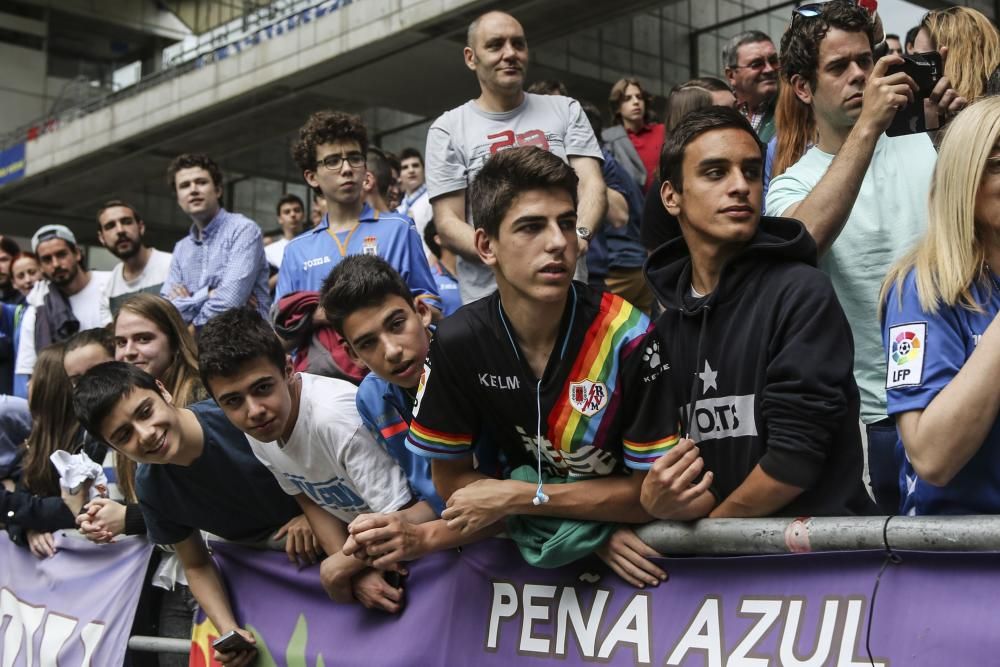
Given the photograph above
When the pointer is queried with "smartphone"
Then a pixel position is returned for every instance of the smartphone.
(926, 69)
(395, 579)
(232, 641)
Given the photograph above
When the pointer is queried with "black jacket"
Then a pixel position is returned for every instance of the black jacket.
(23, 511)
(762, 369)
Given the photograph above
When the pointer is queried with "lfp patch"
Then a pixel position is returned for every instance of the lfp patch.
(907, 343)
(588, 398)
(421, 387)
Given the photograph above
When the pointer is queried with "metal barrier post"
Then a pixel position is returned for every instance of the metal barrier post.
(733, 537)
(159, 644)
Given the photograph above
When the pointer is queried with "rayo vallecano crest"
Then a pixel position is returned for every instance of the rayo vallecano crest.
(588, 397)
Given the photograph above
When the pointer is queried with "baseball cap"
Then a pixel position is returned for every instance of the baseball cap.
(52, 232)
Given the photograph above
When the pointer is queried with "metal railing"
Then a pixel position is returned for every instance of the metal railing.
(739, 537)
(244, 32)
(145, 644)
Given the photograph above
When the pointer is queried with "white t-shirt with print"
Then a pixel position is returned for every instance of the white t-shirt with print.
(332, 457)
(88, 306)
(461, 141)
(150, 280)
(275, 252)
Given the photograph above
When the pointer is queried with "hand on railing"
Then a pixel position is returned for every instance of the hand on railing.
(42, 545)
(301, 544)
(628, 557)
(374, 592)
(102, 520)
(384, 541)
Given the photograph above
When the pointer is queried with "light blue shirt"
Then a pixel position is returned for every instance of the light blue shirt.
(221, 267)
(888, 217)
(311, 256)
(386, 410)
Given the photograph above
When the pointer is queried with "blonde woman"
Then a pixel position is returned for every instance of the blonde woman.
(973, 45)
(941, 332)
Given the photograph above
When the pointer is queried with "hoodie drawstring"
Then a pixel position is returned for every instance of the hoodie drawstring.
(690, 417)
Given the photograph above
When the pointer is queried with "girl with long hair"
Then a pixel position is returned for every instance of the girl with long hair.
(150, 334)
(634, 138)
(973, 45)
(795, 132)
(54, 427)
(941, 331)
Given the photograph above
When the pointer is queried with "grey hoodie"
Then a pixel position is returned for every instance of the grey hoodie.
(620, 146)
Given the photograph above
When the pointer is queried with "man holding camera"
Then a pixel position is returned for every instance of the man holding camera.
(862, 195)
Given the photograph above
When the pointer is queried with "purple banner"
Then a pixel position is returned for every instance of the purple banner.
(74, 608)
(485, 606)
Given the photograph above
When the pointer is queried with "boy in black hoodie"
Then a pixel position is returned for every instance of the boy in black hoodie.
(754, 347)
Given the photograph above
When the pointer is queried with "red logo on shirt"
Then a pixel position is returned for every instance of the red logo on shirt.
(588, 397)
(507, 139)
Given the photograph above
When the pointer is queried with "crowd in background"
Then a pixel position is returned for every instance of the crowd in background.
(558, 320)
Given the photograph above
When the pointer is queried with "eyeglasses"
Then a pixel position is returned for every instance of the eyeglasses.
(757, 64)
(334, 162)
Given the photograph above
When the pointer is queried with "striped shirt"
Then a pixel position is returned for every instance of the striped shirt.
(477, 383)
(220, 266)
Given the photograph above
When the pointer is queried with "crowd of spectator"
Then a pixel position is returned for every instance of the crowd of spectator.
(542, 325)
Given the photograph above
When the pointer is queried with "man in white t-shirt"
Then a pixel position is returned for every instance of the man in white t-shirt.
(416, 203)
(307, 431)
(504, 116)
(860, 194)
(71, 298)
(291, 219)
(120, 229)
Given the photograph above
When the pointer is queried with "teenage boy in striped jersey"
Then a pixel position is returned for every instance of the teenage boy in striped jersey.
(549, 369)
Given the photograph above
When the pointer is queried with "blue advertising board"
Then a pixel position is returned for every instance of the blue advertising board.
(12, 163)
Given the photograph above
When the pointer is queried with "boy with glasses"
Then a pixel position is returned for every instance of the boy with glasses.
(331, 153)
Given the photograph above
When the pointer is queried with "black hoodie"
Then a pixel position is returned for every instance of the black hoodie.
(765, 364)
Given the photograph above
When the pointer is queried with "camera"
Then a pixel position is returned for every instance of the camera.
(926, 69)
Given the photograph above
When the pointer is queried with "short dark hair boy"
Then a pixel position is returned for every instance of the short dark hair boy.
(305, 428)
(714, 118)
(501, 181)
(385, 329)
(410, 152)
(368, 303)
(189, 160)
(184, 449)
(774, 405)
(289, 198)
(543, 367)
(223, 355)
